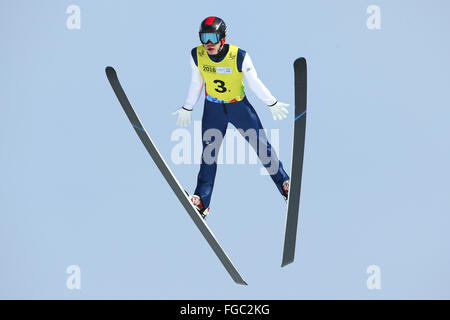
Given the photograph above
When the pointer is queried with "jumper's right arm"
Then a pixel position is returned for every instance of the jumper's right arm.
(195, 87)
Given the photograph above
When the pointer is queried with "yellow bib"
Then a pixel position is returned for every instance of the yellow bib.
(223, 81)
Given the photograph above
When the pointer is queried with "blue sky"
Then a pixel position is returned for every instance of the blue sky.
(78, 188)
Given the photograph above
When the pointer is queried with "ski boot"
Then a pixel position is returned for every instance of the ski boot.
(198, 204)
(285, 186)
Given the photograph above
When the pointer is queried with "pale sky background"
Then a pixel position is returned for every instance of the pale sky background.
(78, 188)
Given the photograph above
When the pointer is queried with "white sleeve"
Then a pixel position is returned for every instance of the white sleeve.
(195, 87)
(255, 83)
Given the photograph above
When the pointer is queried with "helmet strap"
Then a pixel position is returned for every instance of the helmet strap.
(222, 43)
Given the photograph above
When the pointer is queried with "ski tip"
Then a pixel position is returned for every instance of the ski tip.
(299, 61)
(110, 70)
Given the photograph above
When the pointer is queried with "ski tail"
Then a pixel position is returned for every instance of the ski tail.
(298, 148)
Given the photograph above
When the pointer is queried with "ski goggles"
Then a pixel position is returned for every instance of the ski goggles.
(206, 37)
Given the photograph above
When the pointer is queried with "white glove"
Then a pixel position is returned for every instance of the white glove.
(279, 110)
(184, 117)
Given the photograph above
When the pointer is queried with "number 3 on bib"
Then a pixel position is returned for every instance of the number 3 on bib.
(221, 85)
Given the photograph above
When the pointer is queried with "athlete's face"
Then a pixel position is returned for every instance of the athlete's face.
(211, 48)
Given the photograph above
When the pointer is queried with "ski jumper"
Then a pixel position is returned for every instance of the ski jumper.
(225, 102)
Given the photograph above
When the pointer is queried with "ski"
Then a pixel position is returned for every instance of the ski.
(298, 148)
(170, 178)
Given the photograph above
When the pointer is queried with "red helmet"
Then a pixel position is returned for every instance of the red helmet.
(212, 29)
